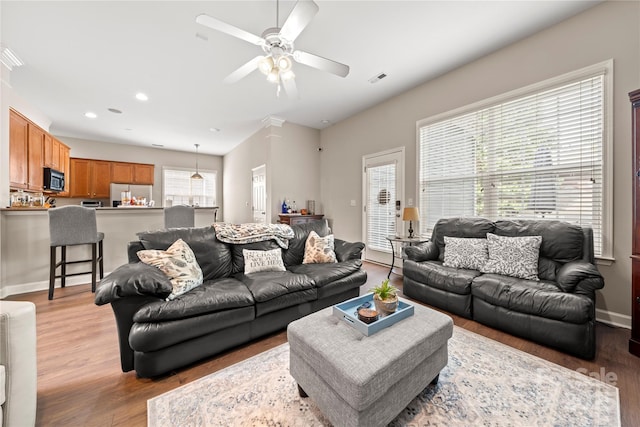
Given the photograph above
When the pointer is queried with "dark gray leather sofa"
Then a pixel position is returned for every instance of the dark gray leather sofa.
(230, 308)
(557, 311)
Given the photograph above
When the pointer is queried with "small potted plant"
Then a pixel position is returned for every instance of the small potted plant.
(385, 298)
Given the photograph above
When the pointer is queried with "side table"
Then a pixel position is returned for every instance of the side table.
(409, 241)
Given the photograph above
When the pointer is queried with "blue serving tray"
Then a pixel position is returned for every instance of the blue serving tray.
(346, 311)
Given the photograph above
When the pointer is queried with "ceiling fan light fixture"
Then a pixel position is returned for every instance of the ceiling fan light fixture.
(266, 65)
(273, 76)
(284, 64)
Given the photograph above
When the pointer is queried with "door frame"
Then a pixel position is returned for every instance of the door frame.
(399, 191)
(267, 216)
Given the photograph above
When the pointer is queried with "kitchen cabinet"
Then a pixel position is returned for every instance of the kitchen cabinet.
(89, 178)
(18, 150)
(64, 168)
(35, 161)
(51, 152)
(122, 173)
(143, 174)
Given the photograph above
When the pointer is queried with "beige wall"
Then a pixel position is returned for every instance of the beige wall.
(610, 30)
(291, 156)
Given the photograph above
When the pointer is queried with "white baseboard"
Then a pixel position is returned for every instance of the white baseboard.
(613, 319)
(24, 288)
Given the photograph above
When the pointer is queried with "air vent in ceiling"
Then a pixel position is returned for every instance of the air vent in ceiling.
(377, 78)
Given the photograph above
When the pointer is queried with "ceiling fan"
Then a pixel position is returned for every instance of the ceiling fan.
(277, 44)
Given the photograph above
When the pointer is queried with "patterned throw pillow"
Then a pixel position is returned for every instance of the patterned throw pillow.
(179, 264)
(513, 256)
(256, 261)
(465, 252)
(319, 249)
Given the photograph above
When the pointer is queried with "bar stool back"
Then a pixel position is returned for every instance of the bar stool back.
(179, 216)
(71, 226)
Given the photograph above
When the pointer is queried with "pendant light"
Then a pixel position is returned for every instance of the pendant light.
(196, 175)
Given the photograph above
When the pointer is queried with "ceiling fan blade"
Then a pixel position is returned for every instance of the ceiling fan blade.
(243, 71)
(321, 63)
(218, 25)
(291, 88)
(302, 13)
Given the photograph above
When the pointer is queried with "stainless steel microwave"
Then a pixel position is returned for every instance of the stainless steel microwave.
(53, 180)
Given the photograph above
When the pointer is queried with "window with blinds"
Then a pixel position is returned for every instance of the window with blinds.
(533, 156)
(381, 210)
(178, 187)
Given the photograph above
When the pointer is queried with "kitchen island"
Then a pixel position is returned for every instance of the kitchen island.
(24, 261)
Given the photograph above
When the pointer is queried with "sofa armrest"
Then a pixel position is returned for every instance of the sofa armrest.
(580, 277)
(427, 251)
(133, 280)
(347, 250)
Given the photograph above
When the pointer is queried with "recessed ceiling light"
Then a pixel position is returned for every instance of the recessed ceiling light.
(128, 129)
(114, 110)
(214, 129)
(90, 115)
(141, 96)
(325, 121)
(157, 145)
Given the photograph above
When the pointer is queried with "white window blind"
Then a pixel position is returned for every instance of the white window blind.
(178, 187)
(381, 212)
(538, 156)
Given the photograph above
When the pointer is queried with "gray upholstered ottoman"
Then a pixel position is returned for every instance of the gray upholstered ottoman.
(357, 380)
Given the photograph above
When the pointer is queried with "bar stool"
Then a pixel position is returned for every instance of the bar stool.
(179, 216)
(71, 226)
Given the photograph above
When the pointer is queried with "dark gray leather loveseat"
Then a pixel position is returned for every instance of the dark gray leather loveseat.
(229, 308)
(558, 310)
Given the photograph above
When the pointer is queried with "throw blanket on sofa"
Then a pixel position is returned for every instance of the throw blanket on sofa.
(253, 232)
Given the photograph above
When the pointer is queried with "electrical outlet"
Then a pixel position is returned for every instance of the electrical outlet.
(410, 202)
(353, 202)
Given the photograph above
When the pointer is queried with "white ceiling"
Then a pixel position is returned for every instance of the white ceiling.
(90, 56)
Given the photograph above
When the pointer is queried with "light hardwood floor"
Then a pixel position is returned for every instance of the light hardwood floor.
(80, 382)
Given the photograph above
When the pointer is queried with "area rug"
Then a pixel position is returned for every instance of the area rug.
(485, 383)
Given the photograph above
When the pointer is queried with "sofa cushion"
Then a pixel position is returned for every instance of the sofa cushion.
(561, 241)
(268, 285)
(237, 252)
(323, 274)
(465, 252)
(513, 256)
(295, 253)
(179, 264)
(213, 296)
(436, 275)
(257, 261)
(133, 279)
(539, 298)
(319, 250)
(460, 227)
(214, 256)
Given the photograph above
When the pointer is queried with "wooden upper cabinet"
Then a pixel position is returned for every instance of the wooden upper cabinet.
(143, 174)
(89, 178)
(35, 163)
(100, 179)
(64, 168)
(79, 181)
(122, 173)
(51, 152)
(18, 154)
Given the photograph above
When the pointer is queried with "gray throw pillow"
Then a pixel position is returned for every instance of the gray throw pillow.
(513, 256)
(467, 253)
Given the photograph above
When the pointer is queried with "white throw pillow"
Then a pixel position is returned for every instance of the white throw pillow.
(513, 256)
(179, 264)
(465, 252)
(256, 261)
(319, 250)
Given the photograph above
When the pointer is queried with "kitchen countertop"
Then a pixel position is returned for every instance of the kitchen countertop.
(131, 209)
